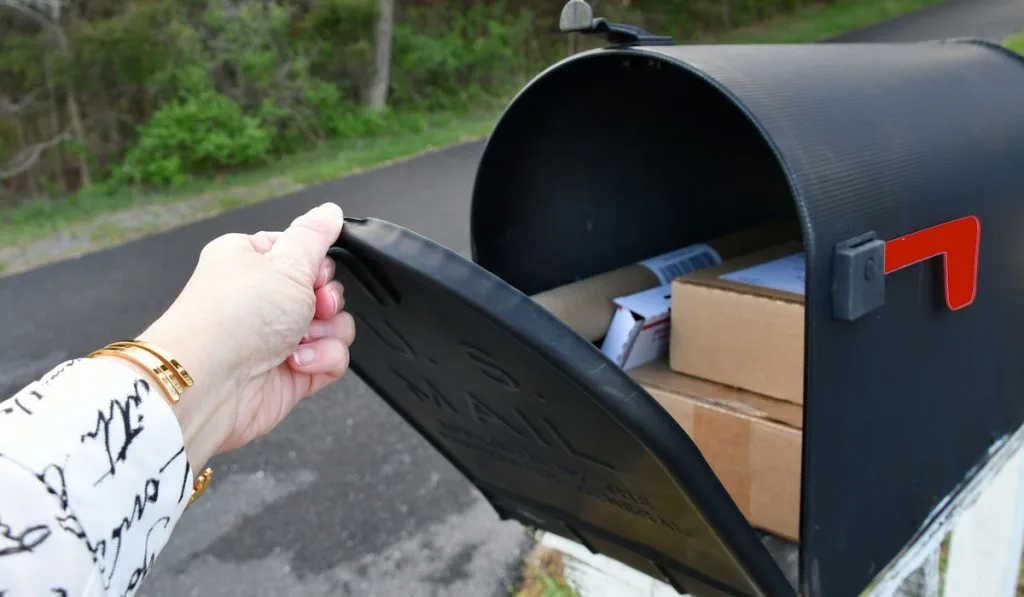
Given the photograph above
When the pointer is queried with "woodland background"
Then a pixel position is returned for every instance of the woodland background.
(105, 94)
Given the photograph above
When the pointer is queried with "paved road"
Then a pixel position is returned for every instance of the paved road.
(987, 19)
(344, 499)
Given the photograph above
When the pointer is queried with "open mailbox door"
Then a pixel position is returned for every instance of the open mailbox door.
(552, 432)
(886, 154)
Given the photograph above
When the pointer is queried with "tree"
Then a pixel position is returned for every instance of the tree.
(377, 93)
(48, 14)
(28, 154)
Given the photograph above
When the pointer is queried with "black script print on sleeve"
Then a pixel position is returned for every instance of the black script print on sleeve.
(118, 427)
(21, 539)
(110, 488)
(187, 473)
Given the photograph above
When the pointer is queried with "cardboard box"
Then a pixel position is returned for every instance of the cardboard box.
(639, 330)
(757, 460)
(659, 376)
(742, 323)
(587, 306)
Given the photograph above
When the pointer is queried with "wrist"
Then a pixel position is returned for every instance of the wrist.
(201, 408)
(200, 441)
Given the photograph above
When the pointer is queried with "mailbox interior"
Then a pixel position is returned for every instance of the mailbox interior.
(620, 154)
(612, 158)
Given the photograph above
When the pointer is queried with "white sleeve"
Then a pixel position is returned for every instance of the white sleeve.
(93, 479)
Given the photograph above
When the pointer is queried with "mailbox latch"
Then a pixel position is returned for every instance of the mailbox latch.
(578, 17)
(858, 283)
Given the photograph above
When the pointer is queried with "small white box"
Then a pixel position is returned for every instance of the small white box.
(639, 330)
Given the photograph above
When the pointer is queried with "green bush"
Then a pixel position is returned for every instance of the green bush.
(195, 134)
(169, 89)
(687, 18)
(484, 51)
(337, 35)
(132, 49)
(1016, 43)
(340, 118)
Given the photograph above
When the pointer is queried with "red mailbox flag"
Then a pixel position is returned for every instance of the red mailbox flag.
(957, 241)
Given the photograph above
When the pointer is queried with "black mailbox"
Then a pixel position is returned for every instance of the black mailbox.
(904, 164)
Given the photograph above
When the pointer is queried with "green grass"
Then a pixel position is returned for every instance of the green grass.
(40, 217)
(229, 202)
(543, 575)
(818, 22)
(1016, 42)
(36, 219)
(105, 233)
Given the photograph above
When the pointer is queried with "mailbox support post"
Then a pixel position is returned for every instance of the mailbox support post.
(923, 582)
(985, 550)
(985, 522)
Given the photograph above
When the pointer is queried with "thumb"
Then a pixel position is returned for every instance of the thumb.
(305, 243)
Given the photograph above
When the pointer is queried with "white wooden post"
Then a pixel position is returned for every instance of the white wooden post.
(595, 575)
(985, 550)
(985, 520)
(923, 582)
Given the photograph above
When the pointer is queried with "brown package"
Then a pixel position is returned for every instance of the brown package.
(757, 461)
(738, 334)
(658, 375)
(587, 306)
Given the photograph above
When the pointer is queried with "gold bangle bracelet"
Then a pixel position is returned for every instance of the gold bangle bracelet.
(200, 485)
(172, 387)
(161, 354)
(172, 377)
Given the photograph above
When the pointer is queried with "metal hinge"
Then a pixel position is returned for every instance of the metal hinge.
(858, 278)
(578, 17)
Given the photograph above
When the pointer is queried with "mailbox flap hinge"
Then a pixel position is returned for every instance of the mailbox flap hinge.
(858, 278)
(578, 17)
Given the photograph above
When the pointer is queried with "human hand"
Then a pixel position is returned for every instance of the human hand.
(260, 325)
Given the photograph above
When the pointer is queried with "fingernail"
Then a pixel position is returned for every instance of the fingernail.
(326, 273)
(336, 295)
(304, 356)
(328, 208)
(317, 330)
